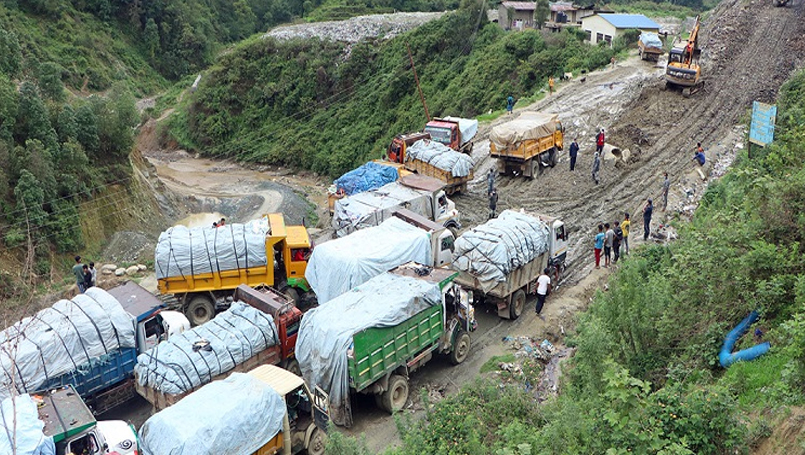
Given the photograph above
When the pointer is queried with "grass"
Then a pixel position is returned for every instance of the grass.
(752, 381)
(494, 361)
(652, 9)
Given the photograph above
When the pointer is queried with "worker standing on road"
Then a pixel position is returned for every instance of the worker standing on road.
(647, 212)
(574, 152)
(493, 203)
(543, 288)
(510, 104)
(609, 241)
(78, 272)
(625, 224)
(490, 181)
(550, 85)
(600, 140)
(616, 242)
(666, 185)
(599, 244)
(596, 167)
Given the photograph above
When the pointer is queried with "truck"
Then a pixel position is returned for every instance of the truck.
(502, 273)
(57, 421)
(527, 145)
(265, 411)
(201, 267)
(454, 132)
(90, 343)
(399, 146)
(649, 46)
(339, 265)
(259, 328)
(436, 160)
(418, 193)
(370, 339)
(369, 176)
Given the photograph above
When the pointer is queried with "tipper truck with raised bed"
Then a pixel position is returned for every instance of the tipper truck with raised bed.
(501, 260)
(418, 193)
(527, 144)
(90, 342)
(439, 161)
(370, 339)
(259, 328)
(266, 411)
(57, 422)
(202, 266)
(339, 265)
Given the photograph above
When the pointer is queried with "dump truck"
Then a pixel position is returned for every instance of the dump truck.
(259, 328)
(454, 132)
(527, 145)
(370, 339)
(341, 264)
(649, 46)
(436, 160)
(500, 261)
(57, 421)
(369, 176)
(90, 343)
(418, 193)
(201, 267)
(263, 412)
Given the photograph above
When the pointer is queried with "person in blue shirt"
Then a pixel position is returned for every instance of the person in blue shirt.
(699, 156)
(599, 245)
(574, 153)
(510, 104)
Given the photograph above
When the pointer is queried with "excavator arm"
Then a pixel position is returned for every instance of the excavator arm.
(693, 43)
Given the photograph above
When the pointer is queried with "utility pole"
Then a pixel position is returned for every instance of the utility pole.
(416, 78)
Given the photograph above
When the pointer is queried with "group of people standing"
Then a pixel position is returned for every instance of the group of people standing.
(600, 140)
(85, 275)
(609, 240)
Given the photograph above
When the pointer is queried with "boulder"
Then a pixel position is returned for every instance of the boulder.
(120, 271)
(111, 267)
(142, 267)
(107, 271)
(132, 270)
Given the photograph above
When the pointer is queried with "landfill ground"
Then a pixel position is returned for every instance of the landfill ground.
(749, 49)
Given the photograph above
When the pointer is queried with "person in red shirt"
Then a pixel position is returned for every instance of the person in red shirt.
(600, 139)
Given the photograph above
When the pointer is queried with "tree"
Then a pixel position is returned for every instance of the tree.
(541, 13)
(10, 55)
(33, 121)
(8, 108)
(66, 125)
(87, 128)
(244, 20)
(151, 37)
(50, 83)
(30, 199)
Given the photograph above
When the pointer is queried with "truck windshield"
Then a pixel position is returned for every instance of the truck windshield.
(439, 134)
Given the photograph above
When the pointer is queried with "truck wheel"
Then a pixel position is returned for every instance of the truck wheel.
(199, 310)
(534, 168)
(292, 365)
(461, 348)
(292, 294)
(318, 441)
(517, 304)
(453, 230)
(396, 396)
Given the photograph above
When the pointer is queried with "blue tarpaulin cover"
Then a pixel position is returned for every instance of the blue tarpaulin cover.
(367, 177)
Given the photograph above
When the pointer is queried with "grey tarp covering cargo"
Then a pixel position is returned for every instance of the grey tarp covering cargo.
(371, 208)
(492, 250)
(234, 416)
(235, 336)
(21, 428)
(528, 126)
(60, 339)
(183, 251)
(440, 156)
(326, 332)
(337, 266)
(467, 126)
(650, 40)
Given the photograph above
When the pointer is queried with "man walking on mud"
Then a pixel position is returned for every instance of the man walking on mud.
(490, 181)
(78, 272)
(596, 167)
(543, 288)
(666, 185)
(600, 140)
(574, 152)
(647, 212)
(493, 203)
(625, 228)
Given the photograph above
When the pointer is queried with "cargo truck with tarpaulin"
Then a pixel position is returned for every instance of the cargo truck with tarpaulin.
(90, 342)
(202, 266)
(369, 176)
(527, 144)
(266, 411)
(439, 161)
(259, 328)
(370, 339)
(649, 46)
(501, 259)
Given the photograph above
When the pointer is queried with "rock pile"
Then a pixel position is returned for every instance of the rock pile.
(384, 26)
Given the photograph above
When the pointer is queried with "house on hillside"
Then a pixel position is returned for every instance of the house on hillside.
(566, 14)
(516, 15)
(606, 27)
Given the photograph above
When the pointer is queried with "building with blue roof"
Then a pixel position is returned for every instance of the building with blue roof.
(606, 27)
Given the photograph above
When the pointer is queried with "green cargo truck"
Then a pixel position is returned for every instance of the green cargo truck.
(381, 358)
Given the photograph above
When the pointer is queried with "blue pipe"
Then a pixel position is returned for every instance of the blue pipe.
(726, 357)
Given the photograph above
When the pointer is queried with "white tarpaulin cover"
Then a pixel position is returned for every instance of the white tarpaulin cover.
(19, 419)
(235, 336)
(528, 126)
(494, 249)
(183, 251)
(467, 126)
(337, 266)
(371, 208)
(650, 39)
(326, 332)
(440, 156)
(236, 416)
(63, 338)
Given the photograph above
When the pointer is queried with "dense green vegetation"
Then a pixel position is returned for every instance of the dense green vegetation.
(645, 378)
(301, 103)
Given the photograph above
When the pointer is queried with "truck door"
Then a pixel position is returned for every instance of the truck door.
(321, 415)
(558, 242)
(443, 254)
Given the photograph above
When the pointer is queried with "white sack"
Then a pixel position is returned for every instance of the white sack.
(21, 427)
(440, 156)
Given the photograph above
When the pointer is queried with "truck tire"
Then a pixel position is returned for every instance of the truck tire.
(200, 310)
(292, 365)
(517, 304)
(453, 230)
(396, 396)
(461, 348)
(292, 294)
(317, 443)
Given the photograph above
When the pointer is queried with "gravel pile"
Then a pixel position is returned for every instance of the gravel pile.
(384, 26)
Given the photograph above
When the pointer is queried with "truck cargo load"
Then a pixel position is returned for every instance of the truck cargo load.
(237, 415)
(71, 336)
(21, 429)
(440, 156)
(326, 335)
(490, 252)
(528, 126)
(367, 177)
(468, 127)
(650, 39)
(197, 356)
(337, 266)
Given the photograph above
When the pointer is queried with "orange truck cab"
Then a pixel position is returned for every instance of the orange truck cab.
(400, 143)
(444, 131)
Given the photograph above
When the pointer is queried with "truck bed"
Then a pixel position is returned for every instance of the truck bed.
(452, 184)
(515, 280)
(524, 150)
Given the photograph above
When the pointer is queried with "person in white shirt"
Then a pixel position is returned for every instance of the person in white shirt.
(543, 288)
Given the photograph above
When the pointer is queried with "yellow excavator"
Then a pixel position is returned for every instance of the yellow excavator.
(683, 70)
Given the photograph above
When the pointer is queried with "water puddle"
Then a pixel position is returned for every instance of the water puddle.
(200, 219)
